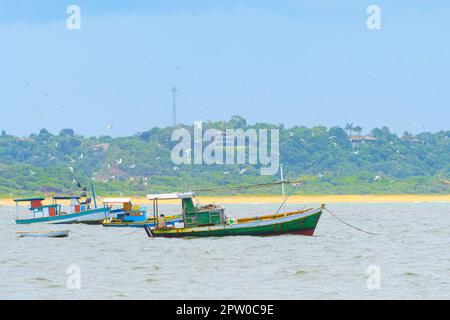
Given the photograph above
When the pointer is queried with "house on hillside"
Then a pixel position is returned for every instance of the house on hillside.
(357, 140)
(410, 139)
(24, 139)
(101, 147)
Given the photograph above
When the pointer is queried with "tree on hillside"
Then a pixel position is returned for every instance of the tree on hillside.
(340, 135)
(384, 134)
(238, 122)
(358, 130)
(67, 132)
(44, 135)
(349, 128)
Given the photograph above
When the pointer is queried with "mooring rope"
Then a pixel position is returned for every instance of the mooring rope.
(348, 224)
(295, 184)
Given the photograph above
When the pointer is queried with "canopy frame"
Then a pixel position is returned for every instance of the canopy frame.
(17, 201)
(167, 196)
(117, 200)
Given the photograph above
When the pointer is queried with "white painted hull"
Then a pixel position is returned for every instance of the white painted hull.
(43, 234)
(94, 216)
(89, 218)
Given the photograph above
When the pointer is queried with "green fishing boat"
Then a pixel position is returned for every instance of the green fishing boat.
(211, 221)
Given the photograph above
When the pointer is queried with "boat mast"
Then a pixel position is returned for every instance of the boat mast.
(93, 193)
(174, 106)
(155, 214)
(282, 179)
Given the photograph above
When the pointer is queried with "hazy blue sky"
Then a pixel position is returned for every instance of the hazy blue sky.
(293, 62)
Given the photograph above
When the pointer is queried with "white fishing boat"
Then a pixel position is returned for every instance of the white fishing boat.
(43, 234)
(81, 210)
(54, 214)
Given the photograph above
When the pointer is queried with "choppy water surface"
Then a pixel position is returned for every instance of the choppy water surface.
(412, 255)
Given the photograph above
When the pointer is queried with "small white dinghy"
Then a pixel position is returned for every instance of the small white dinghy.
(43, 234)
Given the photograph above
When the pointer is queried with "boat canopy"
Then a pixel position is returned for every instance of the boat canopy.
(116, 200)
(171, 196)
(66, 198)
(29, 199)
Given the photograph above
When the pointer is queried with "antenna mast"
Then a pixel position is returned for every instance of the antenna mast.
(174, 110)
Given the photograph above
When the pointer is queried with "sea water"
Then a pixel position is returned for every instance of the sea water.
(408, 259)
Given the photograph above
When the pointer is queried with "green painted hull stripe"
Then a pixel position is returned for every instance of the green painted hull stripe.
(287, 225)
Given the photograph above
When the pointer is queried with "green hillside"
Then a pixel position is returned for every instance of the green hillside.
(330, 160)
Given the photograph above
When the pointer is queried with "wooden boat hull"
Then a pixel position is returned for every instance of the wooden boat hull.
(43, 234)
(94, 216)
(296, 223)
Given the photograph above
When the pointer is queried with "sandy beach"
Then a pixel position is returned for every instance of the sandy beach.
(400, 198)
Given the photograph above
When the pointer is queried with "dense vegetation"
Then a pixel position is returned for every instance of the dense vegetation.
(325, 158)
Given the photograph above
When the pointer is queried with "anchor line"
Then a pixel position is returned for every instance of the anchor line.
(348, 224)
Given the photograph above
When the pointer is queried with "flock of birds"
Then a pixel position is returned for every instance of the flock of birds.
(119, 162)
(315, 102)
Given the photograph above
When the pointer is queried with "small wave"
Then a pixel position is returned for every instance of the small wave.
(139, 268)
(301, 272)
(39, 279)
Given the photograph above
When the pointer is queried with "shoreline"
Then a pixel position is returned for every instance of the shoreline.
(270, 199)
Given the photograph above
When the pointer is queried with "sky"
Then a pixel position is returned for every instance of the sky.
(293, 62)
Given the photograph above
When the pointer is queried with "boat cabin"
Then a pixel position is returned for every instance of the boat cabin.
(125, 210)
(76, 205)
(192, 215)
